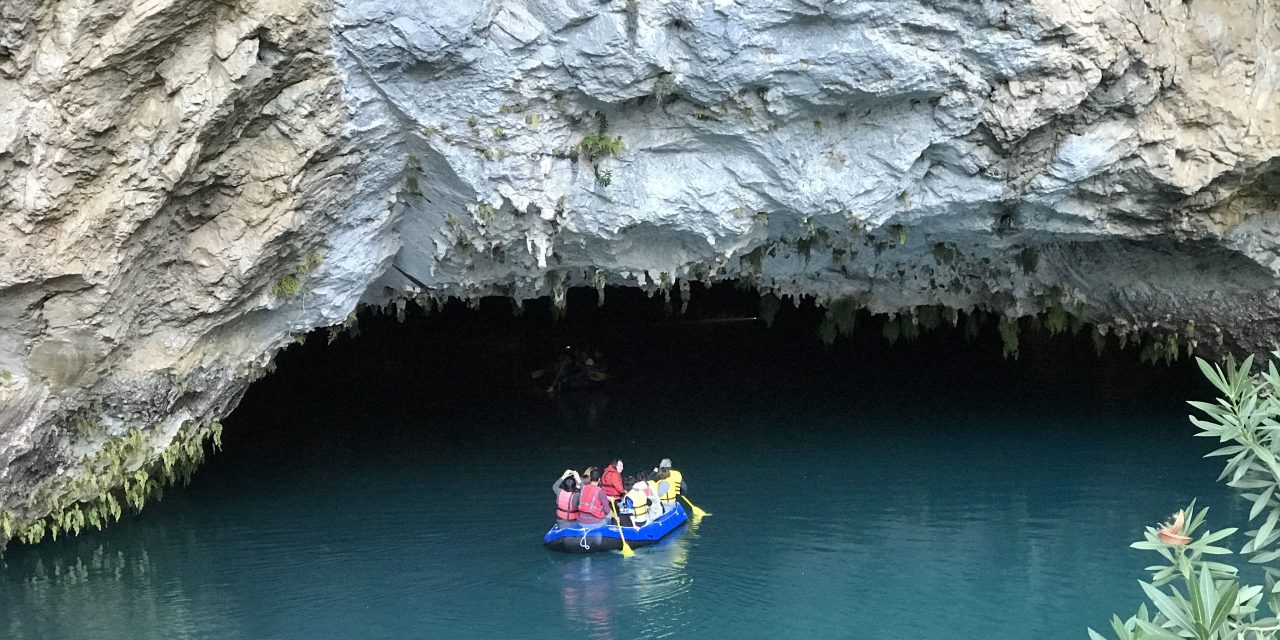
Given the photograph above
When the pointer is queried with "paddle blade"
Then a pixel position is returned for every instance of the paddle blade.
(697, 513)
(626, 548)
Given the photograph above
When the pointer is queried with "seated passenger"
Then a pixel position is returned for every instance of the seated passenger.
(593, 505)
(637, 503)
(675, 481)
(625, 508)
(656, 508)
(567, 496)
(664, 487)
(611, 481)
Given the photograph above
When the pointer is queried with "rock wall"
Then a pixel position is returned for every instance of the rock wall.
(164, 166)
(185, 186)
(902, 154)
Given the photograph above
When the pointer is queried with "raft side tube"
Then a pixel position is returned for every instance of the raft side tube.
(606, 537)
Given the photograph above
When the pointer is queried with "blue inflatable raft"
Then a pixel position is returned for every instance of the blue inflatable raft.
(608, 537)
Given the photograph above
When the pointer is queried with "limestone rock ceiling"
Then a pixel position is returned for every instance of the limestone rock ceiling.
(186, 185)
(840, 150)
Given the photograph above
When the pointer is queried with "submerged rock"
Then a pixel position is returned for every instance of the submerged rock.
(186, 185)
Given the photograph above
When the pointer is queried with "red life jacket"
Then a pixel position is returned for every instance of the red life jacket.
(593, 502)
(611, 482)
(565, 508)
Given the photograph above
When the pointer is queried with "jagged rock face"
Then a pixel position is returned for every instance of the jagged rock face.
(187, 184)
(162, 165)
(927, 145)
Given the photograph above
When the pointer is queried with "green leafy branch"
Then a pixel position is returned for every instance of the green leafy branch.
(1212, 604)
(1246, 417)
(1203, 600)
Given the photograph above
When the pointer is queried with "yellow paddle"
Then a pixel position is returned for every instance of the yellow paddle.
(626, 548)
(697, 513)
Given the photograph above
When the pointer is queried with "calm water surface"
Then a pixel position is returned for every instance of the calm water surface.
(924, 493)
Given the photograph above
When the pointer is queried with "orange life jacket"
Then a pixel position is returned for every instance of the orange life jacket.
(565, 508)
(593, 501)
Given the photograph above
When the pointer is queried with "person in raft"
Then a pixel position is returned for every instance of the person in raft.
(593, 504)
(654, 489)
(568, 494)
(634, 508)
(672, 479)
(611, 481)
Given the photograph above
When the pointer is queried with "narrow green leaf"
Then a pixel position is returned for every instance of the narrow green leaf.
(1246, 465)
(1226, 451)
(1208, 596)
(1214, 551)
(1223, 570)
(1233, 464)
(1194, 518)
(1261, 502)
(1123, 629)
(1195, 606)
(1265, 530)
(1163, 576)
(1269, 458)
(1120, 628)
(1213, 376)
(1211, 409)
(1265, 557)
(1168, 606)
(1215, 536)
(1226, 603)
(1153, 632)
(1248, 407)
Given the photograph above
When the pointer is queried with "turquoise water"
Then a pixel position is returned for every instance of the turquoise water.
(379, 489)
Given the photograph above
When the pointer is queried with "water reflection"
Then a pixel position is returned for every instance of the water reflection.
(113, 581)
(613, 597)
(586, 408)
(587, 594)
(663, 581)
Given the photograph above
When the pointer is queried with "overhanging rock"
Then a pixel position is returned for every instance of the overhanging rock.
(187, 185)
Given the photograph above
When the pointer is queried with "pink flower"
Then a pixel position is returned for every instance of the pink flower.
(1171, 532)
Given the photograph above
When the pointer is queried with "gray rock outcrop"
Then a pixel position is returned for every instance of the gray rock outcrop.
(185, 186)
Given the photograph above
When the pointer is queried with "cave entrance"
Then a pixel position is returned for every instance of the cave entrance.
(382, 484)
(726, 349)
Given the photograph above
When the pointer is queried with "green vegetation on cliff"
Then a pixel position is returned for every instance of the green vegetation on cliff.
(123, 476)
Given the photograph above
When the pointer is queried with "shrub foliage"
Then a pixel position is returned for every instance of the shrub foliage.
(1193, 595)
